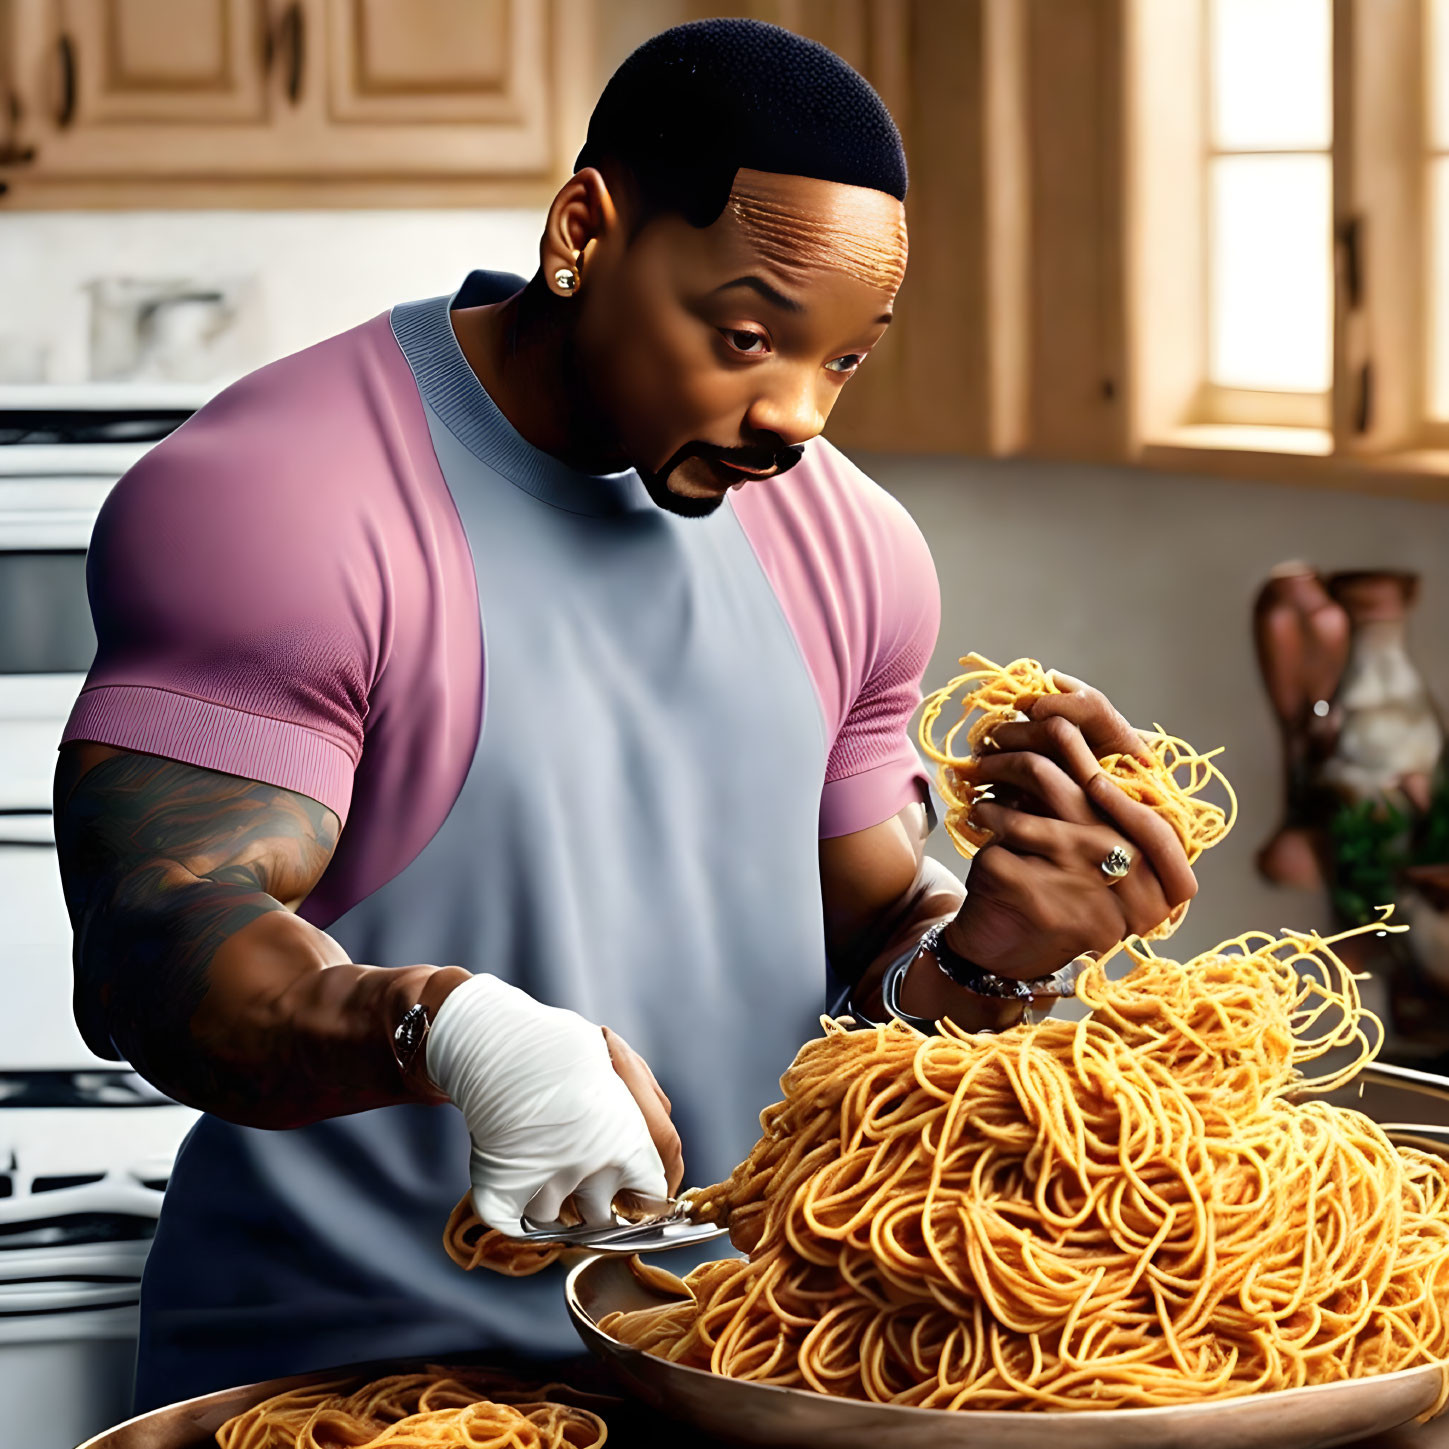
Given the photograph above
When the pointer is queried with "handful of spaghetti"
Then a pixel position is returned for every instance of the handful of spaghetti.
(1133, 1210)
(433, 1410)
(993, 695)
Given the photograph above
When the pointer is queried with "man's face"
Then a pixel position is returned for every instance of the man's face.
(716, 353)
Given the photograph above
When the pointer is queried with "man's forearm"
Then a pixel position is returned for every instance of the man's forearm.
(187, 960)
(935, 896)
(232, 1004)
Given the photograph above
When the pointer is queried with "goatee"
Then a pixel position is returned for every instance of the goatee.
(656, 484)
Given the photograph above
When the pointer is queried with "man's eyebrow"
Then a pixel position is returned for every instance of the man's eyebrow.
(779, 299)
(769, 293)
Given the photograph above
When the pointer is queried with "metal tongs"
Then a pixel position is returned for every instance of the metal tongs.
(667, 1225)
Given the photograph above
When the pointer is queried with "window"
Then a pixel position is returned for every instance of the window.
(1269, 203)
(1295, 301)
(1231, 222)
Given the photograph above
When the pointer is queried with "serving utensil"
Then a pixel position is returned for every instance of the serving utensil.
(665, 1225)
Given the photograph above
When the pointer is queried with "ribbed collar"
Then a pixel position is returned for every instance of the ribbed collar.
(424, 331)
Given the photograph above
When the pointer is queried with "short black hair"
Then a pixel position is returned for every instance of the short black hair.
(695, 104)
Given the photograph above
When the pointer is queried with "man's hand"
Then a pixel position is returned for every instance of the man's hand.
(1037, 896)
(554, 1109)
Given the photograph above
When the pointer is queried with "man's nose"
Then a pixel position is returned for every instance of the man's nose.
(790, 408)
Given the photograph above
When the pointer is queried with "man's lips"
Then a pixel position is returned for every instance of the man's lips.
(738, 470)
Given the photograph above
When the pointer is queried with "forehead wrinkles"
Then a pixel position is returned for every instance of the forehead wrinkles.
(865, 250)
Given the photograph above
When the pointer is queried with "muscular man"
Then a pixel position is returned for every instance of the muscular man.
(536, 634)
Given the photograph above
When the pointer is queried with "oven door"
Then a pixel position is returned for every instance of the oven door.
(46, 645)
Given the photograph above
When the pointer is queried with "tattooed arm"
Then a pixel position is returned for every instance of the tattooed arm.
(189, 961)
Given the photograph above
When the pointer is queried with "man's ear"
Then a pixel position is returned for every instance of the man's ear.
(581, 214)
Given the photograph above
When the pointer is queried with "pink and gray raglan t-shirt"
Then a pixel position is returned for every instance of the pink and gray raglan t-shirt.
(574, 740)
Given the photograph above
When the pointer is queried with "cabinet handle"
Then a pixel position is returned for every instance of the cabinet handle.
(294, 38)
(1363, 406)
(1350, 240)
(65, 52)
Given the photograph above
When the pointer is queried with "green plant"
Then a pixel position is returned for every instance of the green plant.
(1370, 840)
(1373, 840)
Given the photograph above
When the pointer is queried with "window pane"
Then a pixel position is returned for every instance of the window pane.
(1439, 291)
(1271, 289)
(1439, 74)
(1271, 75)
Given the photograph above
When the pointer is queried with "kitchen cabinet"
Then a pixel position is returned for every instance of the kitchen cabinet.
(141, 87)
(290, 100)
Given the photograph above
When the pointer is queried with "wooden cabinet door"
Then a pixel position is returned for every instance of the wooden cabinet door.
(143, 88)
(430, 88)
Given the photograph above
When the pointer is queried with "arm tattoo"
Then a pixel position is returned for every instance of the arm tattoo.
(161, 863)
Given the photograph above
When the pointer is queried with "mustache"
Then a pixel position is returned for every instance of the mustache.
(781, 458)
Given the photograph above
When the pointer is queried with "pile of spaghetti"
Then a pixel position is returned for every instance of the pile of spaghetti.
(1141, 1208)
(993, 695)
(433, 1410)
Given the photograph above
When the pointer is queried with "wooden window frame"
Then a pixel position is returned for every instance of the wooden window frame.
(1216, 404)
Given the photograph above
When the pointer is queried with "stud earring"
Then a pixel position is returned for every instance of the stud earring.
(566, 279)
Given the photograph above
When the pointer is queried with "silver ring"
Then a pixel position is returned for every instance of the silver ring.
(1116, 863)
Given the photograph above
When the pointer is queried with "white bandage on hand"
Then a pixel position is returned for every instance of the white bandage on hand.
(548, 1115)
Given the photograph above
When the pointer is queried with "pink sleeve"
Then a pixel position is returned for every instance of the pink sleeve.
(239, 603)
(874, 771)
(858, 585)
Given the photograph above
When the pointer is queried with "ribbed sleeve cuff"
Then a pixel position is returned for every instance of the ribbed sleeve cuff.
(215, 737)
(856, 802)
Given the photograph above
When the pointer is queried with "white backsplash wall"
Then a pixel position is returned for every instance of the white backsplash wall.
(1143, 584)
(305, 275)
